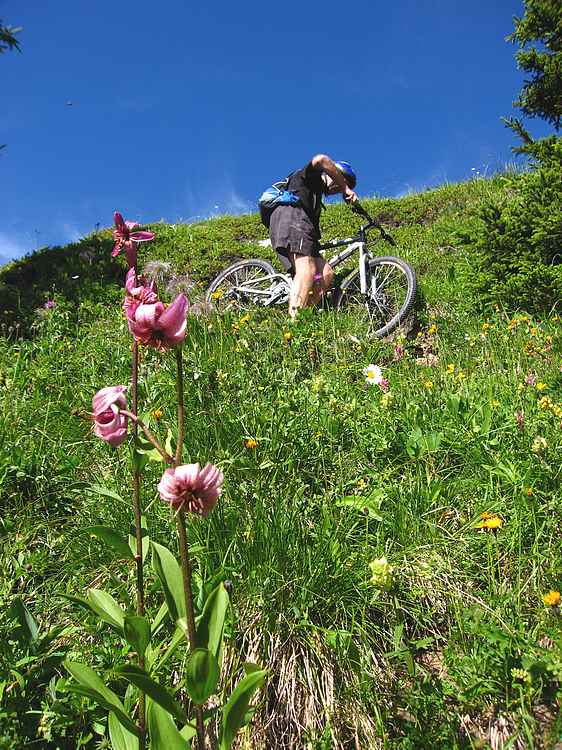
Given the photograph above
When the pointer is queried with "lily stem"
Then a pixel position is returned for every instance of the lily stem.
(184, 547)
(138, 535)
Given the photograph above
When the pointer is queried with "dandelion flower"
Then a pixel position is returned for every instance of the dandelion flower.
(492, 522)
(552, 599)
(251, 443)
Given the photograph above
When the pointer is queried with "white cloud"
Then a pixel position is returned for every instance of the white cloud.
(216, 199)
(13, 247)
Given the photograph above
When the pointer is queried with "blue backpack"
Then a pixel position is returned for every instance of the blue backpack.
(276, 195)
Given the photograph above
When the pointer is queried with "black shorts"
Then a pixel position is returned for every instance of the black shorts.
(292, 231)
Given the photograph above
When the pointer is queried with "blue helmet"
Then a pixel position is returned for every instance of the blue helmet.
(347, 170)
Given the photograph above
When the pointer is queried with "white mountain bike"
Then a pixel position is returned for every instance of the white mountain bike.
(382, 289)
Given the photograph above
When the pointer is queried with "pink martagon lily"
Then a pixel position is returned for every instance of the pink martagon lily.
(191, 487)
(109, 423)
(125, 238)
(159, 326)
(137, 292)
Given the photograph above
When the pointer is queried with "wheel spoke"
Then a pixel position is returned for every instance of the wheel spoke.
(387, 294)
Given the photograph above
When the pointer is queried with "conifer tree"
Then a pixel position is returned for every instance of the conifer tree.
(539, 34)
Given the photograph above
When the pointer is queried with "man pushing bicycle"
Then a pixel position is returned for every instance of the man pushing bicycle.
(295, 228)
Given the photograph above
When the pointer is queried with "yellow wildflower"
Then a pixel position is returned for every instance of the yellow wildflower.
(495, 403)
(541, 386)
(552, 599)
(485, 327)
(428, 384)
(381, 573)
(157, 413)
(539, 444)
(451, 369)
(244, 319)
(491, 522)
(251, 443)
(529, 492)
(287, 335)
(432, 329)
(217, 295)
(386, 400)
(545, 403)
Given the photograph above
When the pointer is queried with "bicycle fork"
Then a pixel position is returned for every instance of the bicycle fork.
(363, 260)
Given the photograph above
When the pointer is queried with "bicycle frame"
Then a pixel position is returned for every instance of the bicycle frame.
(278, 293)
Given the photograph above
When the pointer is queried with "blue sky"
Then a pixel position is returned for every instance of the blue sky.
(184, 110)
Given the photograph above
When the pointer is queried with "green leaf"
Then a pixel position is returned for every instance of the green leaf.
(177, 638)
(201, 675)
(211, 625)
(111, 538)
(137, 632)
(121, 738)
(169, 572)
(144, 447)
(95, 688)
(139, 460)
(98, 490)
(170, 449)
(370, 505)
(105, 606)
(145, 540)
(156, 692)
(164, 734)
(234, 713)
(28, 627)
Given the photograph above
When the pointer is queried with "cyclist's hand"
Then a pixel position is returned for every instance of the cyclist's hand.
(349, 196)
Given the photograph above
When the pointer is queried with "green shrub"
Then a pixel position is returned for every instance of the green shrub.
(518, 243)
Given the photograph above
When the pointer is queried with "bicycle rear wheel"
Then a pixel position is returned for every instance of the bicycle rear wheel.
(391, 291)
(243, 285)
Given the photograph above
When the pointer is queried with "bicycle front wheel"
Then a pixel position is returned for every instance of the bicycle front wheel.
(243, 285)
(391, 291)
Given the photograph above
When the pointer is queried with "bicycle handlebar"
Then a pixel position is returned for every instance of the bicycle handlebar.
(358, 209)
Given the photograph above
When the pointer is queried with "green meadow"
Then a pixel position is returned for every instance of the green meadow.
(452, 476)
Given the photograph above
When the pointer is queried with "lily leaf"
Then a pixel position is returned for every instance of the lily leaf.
(211, 625)
(112, 539)
(201, 675)
(235, 712)
(164, 734)
(107, 609)
(169, 572)
(91, 684)
(121, 738)
(137, 632)
(156, 692)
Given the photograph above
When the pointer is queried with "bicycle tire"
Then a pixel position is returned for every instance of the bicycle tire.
(386, 306)
(252, 272)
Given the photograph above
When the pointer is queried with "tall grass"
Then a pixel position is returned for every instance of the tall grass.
(323, 473)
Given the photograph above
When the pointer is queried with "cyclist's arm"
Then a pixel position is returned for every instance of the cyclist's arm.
(324, 163)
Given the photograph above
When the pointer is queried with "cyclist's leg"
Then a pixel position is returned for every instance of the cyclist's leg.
(323, 279)
(302, 288)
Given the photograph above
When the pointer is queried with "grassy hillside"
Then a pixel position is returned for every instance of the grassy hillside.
(455, 648)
